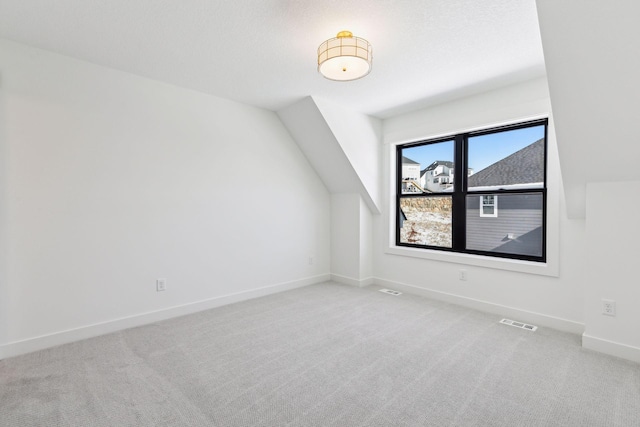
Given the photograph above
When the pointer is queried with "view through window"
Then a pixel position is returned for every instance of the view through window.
(493, 205)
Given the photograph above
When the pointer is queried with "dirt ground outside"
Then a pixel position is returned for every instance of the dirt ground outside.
(428, 221)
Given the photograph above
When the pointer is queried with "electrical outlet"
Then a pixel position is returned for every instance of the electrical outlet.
(310, 260)
(462, 274)
(608, 307)
(161, 285)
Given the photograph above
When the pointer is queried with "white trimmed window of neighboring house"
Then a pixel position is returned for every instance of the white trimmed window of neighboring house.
(489, 205)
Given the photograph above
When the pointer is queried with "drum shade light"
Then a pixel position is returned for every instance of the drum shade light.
(344, 57)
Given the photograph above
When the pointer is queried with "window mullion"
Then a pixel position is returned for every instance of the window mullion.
(459, 197)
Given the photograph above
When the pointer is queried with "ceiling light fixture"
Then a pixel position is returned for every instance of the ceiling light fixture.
(344, 57)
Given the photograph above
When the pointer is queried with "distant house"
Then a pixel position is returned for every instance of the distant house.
(437, 177)
(410, 176)
(508, 223)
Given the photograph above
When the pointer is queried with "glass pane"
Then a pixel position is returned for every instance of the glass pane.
(428, 168)
(426, 221)
(507, 160)
(512, 224)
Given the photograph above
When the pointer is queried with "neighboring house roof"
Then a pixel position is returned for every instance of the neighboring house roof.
(406, 160)
(522, 167)
(435, 164)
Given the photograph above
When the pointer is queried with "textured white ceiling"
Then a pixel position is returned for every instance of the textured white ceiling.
(263, 52)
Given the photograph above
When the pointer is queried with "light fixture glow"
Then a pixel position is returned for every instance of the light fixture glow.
(345, 57)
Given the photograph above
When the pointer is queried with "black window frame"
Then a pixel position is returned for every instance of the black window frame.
(460, 192)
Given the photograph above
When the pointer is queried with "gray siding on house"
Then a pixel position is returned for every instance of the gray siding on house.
(518, 214)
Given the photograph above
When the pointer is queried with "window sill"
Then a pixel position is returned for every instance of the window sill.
(540, 268)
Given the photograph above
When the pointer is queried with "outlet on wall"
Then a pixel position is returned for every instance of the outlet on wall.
(161, 285)
(608, 307)
(462, 274)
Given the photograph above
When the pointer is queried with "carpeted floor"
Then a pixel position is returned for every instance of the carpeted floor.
(323, 355)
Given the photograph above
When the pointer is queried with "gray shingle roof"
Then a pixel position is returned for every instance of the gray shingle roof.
(435, 164)
(406, 160)
(522, 167)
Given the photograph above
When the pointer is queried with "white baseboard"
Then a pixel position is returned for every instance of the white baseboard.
(17, 348)
(611, 348)
(489, 307)
(352, 282)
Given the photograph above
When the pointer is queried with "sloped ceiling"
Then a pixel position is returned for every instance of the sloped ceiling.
(340, 145)
(592, 52)
(263, 53)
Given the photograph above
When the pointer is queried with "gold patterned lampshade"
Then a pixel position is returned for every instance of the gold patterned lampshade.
(344, 57)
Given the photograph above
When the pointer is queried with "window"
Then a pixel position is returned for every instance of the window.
(489, 205)
(460, 213)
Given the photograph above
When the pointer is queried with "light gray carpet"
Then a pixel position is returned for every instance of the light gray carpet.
(324, 355)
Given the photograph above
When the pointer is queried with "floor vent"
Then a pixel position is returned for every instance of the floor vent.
(519, 324)
(391, 292)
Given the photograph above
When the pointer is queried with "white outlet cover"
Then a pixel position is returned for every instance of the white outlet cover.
(608, 307)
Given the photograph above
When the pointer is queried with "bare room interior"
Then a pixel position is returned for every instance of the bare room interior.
(200, 224)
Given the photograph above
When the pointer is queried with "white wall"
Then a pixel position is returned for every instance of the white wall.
(345, 238)
(591, 55)
(351, 240)
(612, 256)
(359, 137)
(366, 243)
(343, 147)
(110, 181)
(592, 60)
(551, 298)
